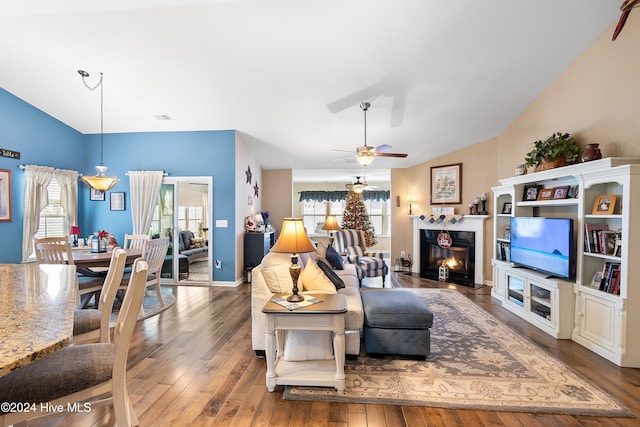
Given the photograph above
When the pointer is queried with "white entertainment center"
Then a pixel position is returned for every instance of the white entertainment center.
(602, 315)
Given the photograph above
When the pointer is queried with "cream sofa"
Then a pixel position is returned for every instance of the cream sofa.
(261, 293)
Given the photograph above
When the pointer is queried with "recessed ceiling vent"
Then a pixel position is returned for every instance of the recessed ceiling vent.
(162, 117)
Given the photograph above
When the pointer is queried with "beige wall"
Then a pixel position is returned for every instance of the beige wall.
(278, 195)
(597, 99)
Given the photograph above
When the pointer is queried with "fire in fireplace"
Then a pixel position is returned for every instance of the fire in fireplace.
(459, 257)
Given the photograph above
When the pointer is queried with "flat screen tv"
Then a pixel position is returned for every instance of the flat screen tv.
(544, 244)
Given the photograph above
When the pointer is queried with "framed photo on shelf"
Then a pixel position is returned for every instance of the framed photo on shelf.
(117, 202)
(545, 194)
(446, 184)
(530, 192)
(597, 278)
(96, 195)
(604, 204)
(560, 192)
(506, 208)
(5, 195)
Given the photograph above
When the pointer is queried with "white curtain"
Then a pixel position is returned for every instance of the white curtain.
(144, 188)
(36, 198)
(36, 180)
(68, 181)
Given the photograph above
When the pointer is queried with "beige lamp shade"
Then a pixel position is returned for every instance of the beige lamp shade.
(331, 223)
(293, 238)
(100, 182)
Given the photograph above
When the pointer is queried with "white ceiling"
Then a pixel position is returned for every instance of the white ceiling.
(290, 74)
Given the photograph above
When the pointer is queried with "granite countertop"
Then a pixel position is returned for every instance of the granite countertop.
(36, 311)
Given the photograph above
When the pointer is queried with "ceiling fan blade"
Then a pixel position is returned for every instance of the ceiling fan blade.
(403, 155)
(383, 147)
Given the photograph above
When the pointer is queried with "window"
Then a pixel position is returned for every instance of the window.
(53, 222)
(190, 218)
(313, 215)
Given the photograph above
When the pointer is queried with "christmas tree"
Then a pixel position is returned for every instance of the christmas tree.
(356, 218)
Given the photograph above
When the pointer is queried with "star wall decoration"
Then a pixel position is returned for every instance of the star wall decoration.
(248, 173)
(256, 190)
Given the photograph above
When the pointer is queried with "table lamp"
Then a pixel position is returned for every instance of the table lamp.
(293, 240)
(331, 224)
(74, 230)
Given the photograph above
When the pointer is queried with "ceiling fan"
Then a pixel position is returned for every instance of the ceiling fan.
(366, 153)
(360, 186)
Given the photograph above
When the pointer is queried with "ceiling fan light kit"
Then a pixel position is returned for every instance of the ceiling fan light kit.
(366, 153)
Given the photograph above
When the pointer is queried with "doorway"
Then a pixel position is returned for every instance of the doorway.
(183, 215)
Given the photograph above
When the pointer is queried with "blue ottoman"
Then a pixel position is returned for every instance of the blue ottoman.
(396, 322)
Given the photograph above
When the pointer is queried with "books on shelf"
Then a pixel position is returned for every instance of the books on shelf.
(598, 239)
(503, 251)
(610, 281)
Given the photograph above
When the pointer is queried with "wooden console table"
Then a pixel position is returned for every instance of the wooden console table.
(327, 315)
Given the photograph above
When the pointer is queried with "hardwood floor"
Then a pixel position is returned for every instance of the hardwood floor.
(192, 365)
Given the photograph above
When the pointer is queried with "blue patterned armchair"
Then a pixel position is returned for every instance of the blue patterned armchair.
(351, 244)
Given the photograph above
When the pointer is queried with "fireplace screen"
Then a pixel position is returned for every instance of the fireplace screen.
(459, 257)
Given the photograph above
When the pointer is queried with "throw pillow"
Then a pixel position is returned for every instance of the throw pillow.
(196, 242)
(275, 258)
(278, 278)
(331, 275)
(315, 281)
(321, 250)
(308, 345)
(334, 258)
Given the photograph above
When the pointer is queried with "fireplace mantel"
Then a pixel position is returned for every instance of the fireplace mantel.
(473, 223)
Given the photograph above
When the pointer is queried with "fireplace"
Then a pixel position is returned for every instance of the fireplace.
(468, 223)
(459, 257)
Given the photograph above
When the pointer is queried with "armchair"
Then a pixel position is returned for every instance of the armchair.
(350, 244)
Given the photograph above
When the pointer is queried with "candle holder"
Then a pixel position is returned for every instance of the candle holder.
(484, 208)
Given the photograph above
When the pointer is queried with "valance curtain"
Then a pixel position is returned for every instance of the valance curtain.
(144, 187)
(340, 195)
(36, 198)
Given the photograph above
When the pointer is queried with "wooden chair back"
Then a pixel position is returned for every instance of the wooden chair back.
(136, 241)
(53, 250)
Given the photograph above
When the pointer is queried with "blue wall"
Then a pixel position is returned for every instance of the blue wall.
(203, 153)
(43, 140)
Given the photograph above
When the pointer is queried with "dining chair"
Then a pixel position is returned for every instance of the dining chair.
(136, 241)
(55, 250)
(155, 255)
(93, 324)
(73, 375)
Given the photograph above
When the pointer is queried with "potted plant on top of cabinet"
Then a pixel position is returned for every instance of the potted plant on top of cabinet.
(560, 149)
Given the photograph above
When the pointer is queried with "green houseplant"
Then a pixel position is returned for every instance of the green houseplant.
(560, 149)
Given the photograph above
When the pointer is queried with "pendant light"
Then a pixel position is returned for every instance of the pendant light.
(100, 182)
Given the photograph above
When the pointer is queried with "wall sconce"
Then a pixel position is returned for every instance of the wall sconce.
(397, 201)
(411, 201)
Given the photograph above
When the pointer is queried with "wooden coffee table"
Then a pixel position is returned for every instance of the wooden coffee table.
(327, 315)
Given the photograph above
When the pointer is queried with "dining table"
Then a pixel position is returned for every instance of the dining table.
(85, 259)
(37, 303)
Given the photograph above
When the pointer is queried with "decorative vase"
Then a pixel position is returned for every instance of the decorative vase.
(546, 165)
(591, 152)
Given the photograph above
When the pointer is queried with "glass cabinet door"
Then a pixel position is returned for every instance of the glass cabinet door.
(515, 290)
(540, 301)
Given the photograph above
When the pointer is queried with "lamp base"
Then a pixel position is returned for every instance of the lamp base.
(295, 298)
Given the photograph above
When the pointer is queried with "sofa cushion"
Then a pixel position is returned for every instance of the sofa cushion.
(354, 318)
(278, 278)
(334, 258)
(321, 250)
(331, 275)
(315, 281)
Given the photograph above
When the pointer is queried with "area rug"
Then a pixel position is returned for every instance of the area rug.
(150, 305)
(476, 362)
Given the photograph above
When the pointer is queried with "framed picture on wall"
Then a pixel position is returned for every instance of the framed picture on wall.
(446, 184)
(5, 195)
(96, 195)
(117, 201)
